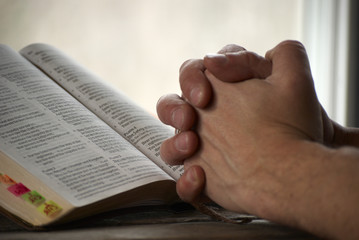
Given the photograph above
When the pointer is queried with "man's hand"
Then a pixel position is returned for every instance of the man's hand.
(177, 112)
(263, 143)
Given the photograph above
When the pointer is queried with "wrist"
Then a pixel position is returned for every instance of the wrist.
(345, 136)
(317, 191)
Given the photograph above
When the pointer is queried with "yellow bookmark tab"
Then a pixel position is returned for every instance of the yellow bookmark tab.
(33, 198)
(49, 208)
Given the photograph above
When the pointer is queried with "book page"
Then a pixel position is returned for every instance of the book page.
(56, 138)
(135, 124)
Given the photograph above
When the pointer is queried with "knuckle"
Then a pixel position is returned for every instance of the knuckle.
(191, 64)
(230, 48)
(166, 105)
(291, 44)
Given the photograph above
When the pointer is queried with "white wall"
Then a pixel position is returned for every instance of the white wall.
(325, 33)
(138, 45)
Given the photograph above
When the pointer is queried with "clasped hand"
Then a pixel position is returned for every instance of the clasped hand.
(254, 137)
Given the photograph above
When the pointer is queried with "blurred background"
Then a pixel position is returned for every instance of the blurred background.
(139, 45)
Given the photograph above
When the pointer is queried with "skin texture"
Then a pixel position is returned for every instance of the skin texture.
(255, 139)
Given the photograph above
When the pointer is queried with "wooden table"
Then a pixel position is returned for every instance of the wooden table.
(179, 222)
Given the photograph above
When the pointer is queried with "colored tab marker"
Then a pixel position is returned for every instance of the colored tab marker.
(7, 180)
(49, 208)
(33, 198)
(18, 189)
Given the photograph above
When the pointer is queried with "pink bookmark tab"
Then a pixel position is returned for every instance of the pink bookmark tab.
(18, 189)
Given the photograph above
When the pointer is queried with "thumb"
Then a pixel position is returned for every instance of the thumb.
(290, 63)
(292, 77)
(237, 66)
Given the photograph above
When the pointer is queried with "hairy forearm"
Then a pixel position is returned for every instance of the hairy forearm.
(320, 192)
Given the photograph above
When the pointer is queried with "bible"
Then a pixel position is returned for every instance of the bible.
(71, 145)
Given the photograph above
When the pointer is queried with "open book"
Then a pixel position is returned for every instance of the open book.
(72, 146)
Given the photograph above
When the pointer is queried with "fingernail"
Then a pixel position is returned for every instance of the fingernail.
(196, 96)
(181, 142)
(191, 175)
(218, 58)
(178, 118)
